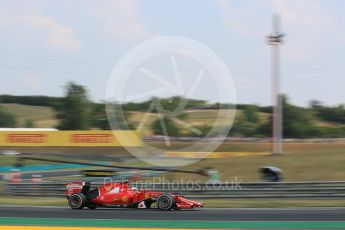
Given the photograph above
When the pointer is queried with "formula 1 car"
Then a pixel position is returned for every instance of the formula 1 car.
(119, 194)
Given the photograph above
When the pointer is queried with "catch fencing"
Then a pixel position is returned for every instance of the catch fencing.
(252, 190)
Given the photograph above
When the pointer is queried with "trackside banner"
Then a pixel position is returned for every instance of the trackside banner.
(69, 138)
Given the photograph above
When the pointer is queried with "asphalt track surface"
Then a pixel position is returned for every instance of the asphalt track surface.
(289, 214)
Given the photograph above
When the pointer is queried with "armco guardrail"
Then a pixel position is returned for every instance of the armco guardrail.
(254, 190)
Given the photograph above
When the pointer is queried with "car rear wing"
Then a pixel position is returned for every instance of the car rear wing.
(74, 187)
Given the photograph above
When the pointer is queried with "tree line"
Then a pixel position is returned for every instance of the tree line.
(75, 111)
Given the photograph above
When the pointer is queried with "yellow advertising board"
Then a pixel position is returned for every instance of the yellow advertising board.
(70, 138)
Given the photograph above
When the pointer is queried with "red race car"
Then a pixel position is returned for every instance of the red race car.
(119, 194)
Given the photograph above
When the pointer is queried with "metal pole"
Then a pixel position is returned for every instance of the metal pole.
(275, 39)
(277, 105)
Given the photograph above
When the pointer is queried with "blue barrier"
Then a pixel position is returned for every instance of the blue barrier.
(41, 167)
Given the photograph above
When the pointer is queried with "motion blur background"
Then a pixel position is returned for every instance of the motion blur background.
(56, 58)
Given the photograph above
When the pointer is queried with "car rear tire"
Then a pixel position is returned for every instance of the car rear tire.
(77, 201)
(165, 202)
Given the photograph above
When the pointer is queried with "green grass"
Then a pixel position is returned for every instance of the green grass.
(196, 118)
(135, 118)
(42, 201)
(42, 116)
(273, 203)
(166, 224)
(321, 123)
(301, 162)
(210, 117)
(7, 160)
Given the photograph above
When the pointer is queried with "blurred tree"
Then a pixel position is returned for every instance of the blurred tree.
(75, 111)
(297, 122)
(29, 123)
(243, 128)
(169, 104)
(250, 113)
(31, 100)
(246, 123)
(99, 118)
(165, 122)
(7, 120)
(315, 104)
(332, 114)
(265, 129)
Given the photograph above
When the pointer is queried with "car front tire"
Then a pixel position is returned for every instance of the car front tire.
(165, 202)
